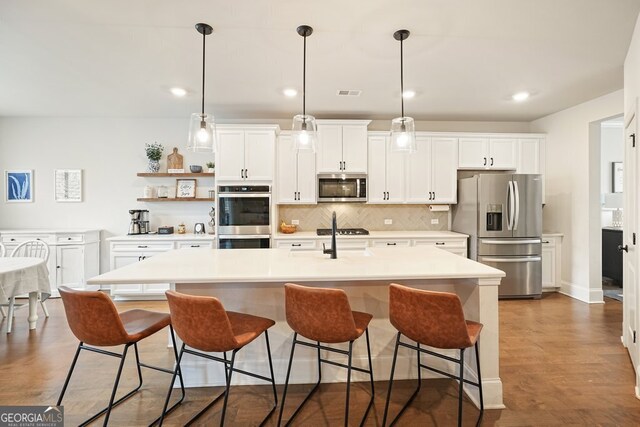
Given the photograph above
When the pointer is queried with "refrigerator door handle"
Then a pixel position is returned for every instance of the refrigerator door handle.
(510, 242)
(513, 259)
(516, 219)
(510, 207)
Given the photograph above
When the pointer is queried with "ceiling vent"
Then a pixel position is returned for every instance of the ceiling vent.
(349, 92)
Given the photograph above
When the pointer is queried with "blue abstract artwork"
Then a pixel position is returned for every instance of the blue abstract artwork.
(19, 186)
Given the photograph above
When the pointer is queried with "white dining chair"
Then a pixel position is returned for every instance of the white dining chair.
(3, 251)
(34, 249)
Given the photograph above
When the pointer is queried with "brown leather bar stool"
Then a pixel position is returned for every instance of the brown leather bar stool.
(94, 320)
(434, 319)
(203, 324)
(325, 316)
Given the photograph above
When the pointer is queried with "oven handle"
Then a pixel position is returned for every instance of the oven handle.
(248, 195)
(512, 259)
(245, 236)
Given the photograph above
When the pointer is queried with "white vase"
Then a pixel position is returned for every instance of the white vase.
(211, 170)
(153, 166)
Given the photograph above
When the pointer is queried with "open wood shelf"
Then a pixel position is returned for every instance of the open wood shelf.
(177, 175)
(176, 199)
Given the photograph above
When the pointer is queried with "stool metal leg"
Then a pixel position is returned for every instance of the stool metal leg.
(273, 378)
(461, 387)
(286, 381)
(370, 377)
(115, 385)
(226, 394)
(346, 410)
(66, 381)
(393, 369)
(479, 385)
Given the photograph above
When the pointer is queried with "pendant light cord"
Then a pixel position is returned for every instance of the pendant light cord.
(401, 78)
(204, 40)
(304, 76)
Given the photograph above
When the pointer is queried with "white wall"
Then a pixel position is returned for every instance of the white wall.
(611, 150)
(110, 151)
(572, 167)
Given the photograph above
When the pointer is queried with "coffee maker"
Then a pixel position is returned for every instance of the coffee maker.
(139, 221)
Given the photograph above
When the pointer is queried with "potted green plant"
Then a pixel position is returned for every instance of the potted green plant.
(211, 167)
(154, 154)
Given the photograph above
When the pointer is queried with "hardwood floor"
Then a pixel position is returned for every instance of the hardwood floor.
(561, 363)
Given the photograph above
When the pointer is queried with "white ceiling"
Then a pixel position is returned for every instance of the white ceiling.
(464, 57)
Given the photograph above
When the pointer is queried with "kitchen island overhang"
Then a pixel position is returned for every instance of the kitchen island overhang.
(251, 281)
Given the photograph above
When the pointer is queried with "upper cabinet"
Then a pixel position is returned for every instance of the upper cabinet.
(487, 153)
(296, 173)
(431, 171)
(245, 153)
(386, 179)
(342, 146)
(531, 158)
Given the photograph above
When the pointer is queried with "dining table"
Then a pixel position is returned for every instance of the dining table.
(24, 276)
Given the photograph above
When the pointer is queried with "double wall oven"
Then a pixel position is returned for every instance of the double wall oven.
(244, 216)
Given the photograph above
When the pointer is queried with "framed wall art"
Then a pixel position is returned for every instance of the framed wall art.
(617, 176)
(18, 186)
(68, 185)
(185, 188)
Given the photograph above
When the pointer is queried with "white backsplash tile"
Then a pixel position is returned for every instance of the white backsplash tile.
(360, 215)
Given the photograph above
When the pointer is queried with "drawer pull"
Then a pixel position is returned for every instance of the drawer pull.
(545, 241)
(296, 244)
(440, 243)
(13, 240)
(391, 244)
(195, 246)
(143, 246)
(57, 266)
(68, 238)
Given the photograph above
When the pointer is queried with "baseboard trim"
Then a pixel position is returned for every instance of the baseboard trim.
(590, 296)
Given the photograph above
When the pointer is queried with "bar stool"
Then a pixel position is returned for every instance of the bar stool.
(433, 319)
(203, 324)
(325, 316)
(94, 320)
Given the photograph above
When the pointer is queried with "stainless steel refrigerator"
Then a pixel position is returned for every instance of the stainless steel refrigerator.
(502, 214)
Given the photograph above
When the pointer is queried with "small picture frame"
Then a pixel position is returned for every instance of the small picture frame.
(18, 186)
(68, 185)
(186, 188)
(617, 176)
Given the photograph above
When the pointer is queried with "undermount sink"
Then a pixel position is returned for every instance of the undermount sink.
(342, 253)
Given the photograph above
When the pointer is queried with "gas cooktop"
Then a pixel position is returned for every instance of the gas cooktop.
(343, 231)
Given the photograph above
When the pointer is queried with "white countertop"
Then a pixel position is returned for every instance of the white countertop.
(550, 234)
(193, 265)
(161, 237)
(303, 235)
(48, 230)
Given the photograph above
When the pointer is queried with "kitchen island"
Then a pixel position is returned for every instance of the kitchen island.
(251, 280)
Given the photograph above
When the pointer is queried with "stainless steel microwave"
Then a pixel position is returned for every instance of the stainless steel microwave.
(342, 187)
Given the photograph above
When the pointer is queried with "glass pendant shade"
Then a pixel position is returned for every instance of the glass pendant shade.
(304, 133)
(202, 133)
(403, 135)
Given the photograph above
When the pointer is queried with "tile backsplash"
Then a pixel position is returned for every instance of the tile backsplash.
(371, 217)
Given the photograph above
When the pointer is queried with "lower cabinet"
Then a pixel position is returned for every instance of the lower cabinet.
(74, 255)
(130, 249)
(551, 262)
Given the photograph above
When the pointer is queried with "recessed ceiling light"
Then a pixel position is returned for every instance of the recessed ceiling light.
(178, 91)
(290, 93)
(520, 96)
(408, 94)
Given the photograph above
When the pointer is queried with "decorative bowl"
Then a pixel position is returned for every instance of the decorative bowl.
(195, 168)
(287, 228)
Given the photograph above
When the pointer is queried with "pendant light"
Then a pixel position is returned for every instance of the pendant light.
(202, 126)
(403, 130)
(303, 131)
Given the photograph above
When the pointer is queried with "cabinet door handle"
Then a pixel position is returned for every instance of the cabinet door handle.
(143, 246)
(296, 244)
(545, 241)
(140, 258)
(434, 195)
(246, 173)
(13, 240)
(57, 266)
(623, 248)
(485, 161)
(195, 246)
(440, 243)
(68, 238)
(491, 161)
(391, 244)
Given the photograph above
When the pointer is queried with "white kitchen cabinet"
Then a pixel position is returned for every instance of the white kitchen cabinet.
(456, 245)
(295, 245)
(432, 171)
(531, 153)
(74, 255)
(125, 250)
(487, 153)
(342, 146)
(551, 261)
(390, 242)
(245, 153)
(296, 173)
(386, 172)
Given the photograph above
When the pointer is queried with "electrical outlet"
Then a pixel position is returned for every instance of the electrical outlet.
(388, 221)
(295, 222)
(435, 221)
